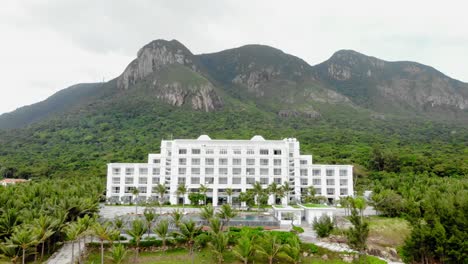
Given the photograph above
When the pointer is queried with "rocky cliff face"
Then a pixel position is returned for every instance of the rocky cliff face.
(174, 76)
(152, 57)
(383, 86)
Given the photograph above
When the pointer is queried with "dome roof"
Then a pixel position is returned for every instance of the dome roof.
(204, 137)
(257, 138)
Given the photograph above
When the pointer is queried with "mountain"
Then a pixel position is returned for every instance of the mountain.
(401, 88)
(265, 79)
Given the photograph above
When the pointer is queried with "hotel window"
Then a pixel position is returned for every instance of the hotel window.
(223, 151)
(236, 161)
(209, 171)
(194, 180)
(116, 171)
(168, 171)
(156, 171)
(277, 152)
(209, 151)
(129, 189)
(236, 171)
(304, 172)
(343, 191)
(277, 180)
(250, 161)
(277, 172)
(236, 180)
(343, 172)
(129, 171)
(250, 171)
(316, 172)
(318, 191)
(142, 189)
(223, 162)
(182, 161)
(155, 180)
(264, 152)
(142, 180)
(223, 171)
(330, 172)
(277, 162)
(237, 151)
(264, 162)
(195, 171)
(116, 180)
(195, 162)
(222, 180)
(330, 182)
(303, 162)
(196, 151)
(209, 161)
(263, 171)
(209, 180)
(115, 189)
(156, 161)
(143, 171)
(330, 191)
(304, 182)
(263, 180)
(250, 180)
(181, 180)
(182, 151)
(182, 171)
(344, 182)
(250, 152)
(316, 182)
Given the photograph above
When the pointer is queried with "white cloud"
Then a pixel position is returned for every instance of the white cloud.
(49, 45)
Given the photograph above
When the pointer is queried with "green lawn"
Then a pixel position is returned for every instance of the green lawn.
(314, 205)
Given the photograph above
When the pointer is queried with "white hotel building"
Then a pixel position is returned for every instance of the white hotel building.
(222, 164)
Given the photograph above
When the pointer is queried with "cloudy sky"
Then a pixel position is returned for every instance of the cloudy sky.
(47, 45)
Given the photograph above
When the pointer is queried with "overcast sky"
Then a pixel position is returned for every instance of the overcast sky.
(48, 45)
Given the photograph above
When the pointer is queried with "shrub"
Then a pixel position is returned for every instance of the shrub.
(283, 237)
(309, 247)
(202, 240)
(323, 226)
(298, 229)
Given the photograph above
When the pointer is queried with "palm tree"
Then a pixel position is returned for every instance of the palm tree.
(188, 231)
(287, 190)
(72, 231)
(207, 212)
(292, 250)
(257, 190)
(136, 232)
(118, 225)
(176, 216)
(45, 228)
(84, 225)
(203, 190)
(8, 220)
(103, 232)
(181, 191)
(226, 213)
(150, 216)
(245, 247)
(218, 245)
(162, 230)
(215, 225)
(273, 190)
(269, 246)
(118, 253)
(135, 193)
(24, 238)
(161, 190)
(9, 251)
(310, 194)
(229, 193)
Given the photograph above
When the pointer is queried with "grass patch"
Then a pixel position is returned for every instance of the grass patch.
(312, 205)
(388, 232)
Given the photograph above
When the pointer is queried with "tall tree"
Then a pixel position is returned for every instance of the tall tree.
(269, 246)
(150, 217)
(203, 190)
(104, 232)
(162, 230)
(188, 231)
(181, 191)
(257, 190)
(287, 190)
(229, 193)
(161, 190)
(135, 193)
(45, 226)
(245, 247)
(72, 231)
(226, 213)
(24, 238)
(358, 233)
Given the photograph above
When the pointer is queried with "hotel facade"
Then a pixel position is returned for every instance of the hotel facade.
(223, 164)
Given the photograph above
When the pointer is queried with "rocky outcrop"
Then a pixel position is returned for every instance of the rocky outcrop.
(152, 57)
(312, 114)
(202, 97)
(253, 80)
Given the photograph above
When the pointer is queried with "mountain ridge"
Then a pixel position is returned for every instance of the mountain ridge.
(273, 81)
